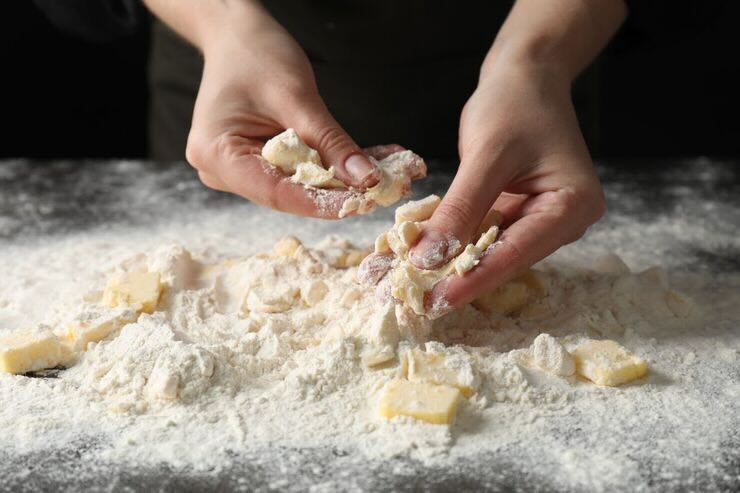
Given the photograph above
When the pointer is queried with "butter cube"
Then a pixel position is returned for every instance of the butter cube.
(436, 404)
(441, 369)
(30, 350)
(135, 289)
(93, 327)
(505, 299)
(607, 363)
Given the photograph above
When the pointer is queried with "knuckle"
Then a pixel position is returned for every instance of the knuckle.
(194, 151)
(332, 140)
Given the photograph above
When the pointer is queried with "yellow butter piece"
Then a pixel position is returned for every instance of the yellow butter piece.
(437, 368)
(28, 350)
(608, 363)
(505, 299)
(287, 149)
(512, 296)
(353, 257)
(436, 404)
(286, 247)
(140, 289)
(94, 327)
(417, 210)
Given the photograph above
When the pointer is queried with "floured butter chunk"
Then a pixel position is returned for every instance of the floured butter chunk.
(313, 292)
(470, 257)
(408, 283)
(550, 356)
(139, 290)
(266, 300)
(439, 368)
(512, 296)
(287, 150)
(27, 350)
(315, 175)
(290, 154)
(607, 363)
(382, 337)
(417, 210)
(436, 404)
(397, 170)
(94, 326)
(287, 246)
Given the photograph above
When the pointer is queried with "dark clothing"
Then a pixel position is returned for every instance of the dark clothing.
(388, 71)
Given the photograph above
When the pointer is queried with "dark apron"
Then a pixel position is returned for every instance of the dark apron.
(389, 71)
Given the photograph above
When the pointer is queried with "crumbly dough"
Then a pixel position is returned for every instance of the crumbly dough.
(408, 283)
(292, 156)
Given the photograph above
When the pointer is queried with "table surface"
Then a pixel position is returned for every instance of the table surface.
(42, 199)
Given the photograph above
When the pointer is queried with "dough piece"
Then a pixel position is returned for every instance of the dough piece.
(287, 150)
(290, 154)
(436, 404)
(139, 290)
(409, 284)
(607, 363)
(439, 368)
(550, 356)
(28, 350)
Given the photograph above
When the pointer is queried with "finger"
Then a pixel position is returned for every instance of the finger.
(238, 165)
(472, 193)
(510, 206)
(552, 219)
(337, 149)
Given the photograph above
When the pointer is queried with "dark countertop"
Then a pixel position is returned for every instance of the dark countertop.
(39, 200)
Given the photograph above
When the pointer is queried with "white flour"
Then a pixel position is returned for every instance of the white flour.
(198, 383)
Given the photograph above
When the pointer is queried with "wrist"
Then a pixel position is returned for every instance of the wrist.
(231, 24)
(560, 37)
(532, 58)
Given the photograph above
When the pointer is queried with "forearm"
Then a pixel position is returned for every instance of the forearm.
(561, 36)
(202, 21)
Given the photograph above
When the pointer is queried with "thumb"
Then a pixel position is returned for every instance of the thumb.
(337, 149)
(463, 208)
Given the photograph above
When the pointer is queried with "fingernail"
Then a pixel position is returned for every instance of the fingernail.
(361, 169)
(431, 250)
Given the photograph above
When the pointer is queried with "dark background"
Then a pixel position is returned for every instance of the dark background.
(667, 86)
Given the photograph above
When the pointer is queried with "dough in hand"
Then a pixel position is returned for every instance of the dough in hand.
(293, 157)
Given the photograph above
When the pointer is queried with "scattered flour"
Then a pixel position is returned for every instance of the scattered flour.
(251, 351)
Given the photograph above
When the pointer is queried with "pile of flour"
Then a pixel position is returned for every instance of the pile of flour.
(203, 380)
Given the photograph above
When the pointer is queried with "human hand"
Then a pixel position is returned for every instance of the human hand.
(523, 154)
(257, 82)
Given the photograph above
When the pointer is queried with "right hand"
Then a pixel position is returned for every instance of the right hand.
(257, 81)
